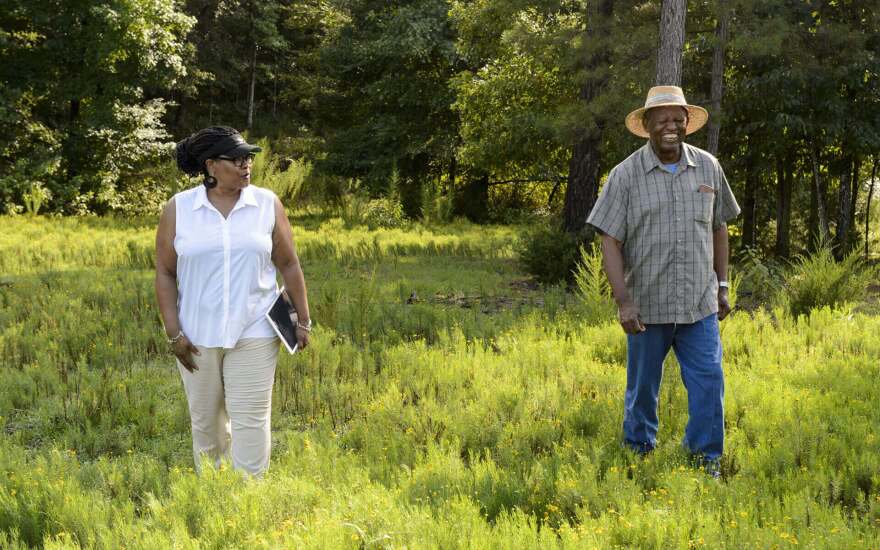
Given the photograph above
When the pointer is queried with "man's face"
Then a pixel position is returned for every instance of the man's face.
(666, 127)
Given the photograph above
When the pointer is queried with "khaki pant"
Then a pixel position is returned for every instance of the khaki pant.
(230, 403)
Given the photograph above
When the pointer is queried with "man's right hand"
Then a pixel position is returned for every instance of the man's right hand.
(183, 349)
(628, 315)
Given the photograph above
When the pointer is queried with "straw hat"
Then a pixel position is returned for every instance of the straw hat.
(665, 96)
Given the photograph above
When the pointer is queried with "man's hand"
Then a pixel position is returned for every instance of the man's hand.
(183, 349)
(628, 315)
(723, 304)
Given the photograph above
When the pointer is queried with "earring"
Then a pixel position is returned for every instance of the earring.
(210, 181)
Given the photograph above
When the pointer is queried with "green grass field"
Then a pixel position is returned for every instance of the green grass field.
(484, 414)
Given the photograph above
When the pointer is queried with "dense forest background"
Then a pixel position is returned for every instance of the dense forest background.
(498, 107)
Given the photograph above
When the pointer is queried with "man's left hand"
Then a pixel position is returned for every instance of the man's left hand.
(723, 304)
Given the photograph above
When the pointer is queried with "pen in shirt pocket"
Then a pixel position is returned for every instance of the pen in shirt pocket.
(703, 188)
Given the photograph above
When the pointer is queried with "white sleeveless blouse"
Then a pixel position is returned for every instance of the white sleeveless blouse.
(225, 277)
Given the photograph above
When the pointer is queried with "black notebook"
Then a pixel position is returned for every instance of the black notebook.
(282, 317)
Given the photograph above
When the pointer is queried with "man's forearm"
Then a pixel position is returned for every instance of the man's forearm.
(720, 252)
(612, 262)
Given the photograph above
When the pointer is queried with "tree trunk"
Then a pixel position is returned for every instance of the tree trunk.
(472, 201)
(672, 21)
(71, 140)
(584, 168)
(717, 88)
(868, 206)
(250, 112)
(820, 189)
(749, 234)
(844, 203)
(783, 206)
(856, 170)
(178, 113)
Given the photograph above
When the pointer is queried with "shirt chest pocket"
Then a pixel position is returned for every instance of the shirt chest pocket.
(700, 206)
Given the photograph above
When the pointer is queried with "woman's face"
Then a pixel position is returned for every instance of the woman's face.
(231, 174)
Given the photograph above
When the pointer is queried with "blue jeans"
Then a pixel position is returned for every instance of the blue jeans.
(698, 349)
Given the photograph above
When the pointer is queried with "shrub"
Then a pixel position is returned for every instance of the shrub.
(437, 207)
(284, 176)
(592, 285)
(385, 213)
(759, 280)
(818, 280)
(549, 254)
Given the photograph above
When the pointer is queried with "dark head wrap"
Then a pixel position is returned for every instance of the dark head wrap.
(209, 143)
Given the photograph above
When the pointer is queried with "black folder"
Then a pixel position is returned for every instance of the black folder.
(282, 317)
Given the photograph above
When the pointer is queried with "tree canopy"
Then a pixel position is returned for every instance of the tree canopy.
(480, 99)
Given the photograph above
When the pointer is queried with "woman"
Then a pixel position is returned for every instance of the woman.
(218, 248)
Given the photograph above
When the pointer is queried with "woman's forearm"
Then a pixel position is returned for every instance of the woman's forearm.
(295, 284)
(166, 296)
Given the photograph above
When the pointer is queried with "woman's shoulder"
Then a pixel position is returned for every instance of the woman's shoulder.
(263, 193)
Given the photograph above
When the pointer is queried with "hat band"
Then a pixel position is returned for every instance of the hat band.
(663, 98)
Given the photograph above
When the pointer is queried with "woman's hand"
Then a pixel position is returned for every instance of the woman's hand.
(302, 337)
(183, 349)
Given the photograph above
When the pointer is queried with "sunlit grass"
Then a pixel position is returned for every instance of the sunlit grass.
(445, 403)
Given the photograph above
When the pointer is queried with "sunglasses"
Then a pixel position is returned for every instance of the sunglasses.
(239, 162)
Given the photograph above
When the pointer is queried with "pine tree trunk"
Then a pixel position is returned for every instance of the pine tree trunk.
(584, 172)
(820, 189)
(749, 233)
(672, 20)
(844, 203)
(472, 200)
(856, 170)
(586, 158)
(717, 88)
(250, 112)
(783, 207)
(868, 206)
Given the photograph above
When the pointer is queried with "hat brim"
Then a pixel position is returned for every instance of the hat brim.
(697, 118)
(242, 150)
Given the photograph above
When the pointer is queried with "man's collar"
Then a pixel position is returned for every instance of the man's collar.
(651, 161)
(247, 198)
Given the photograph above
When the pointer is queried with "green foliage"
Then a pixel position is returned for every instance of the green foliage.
(818, 280)
(385, 103)
(437, 206)
(759, 280)
(385, 213)
(82, 94)
(284, 176)
(479, 414)
(592, 285)
(549, 254)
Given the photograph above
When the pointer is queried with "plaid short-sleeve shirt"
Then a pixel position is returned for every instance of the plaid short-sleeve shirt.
(665, 222)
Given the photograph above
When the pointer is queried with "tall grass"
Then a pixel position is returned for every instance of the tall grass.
(284, 176)
(443, 404)
(819, 280)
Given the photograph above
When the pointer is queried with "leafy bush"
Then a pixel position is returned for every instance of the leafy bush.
(284, 176)
(549, 254)
(357, 209)
(436, 206)
(385, 213)
(759, 280)
(818, 280)
(592, 285)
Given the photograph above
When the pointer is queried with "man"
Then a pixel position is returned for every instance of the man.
(662, 215)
